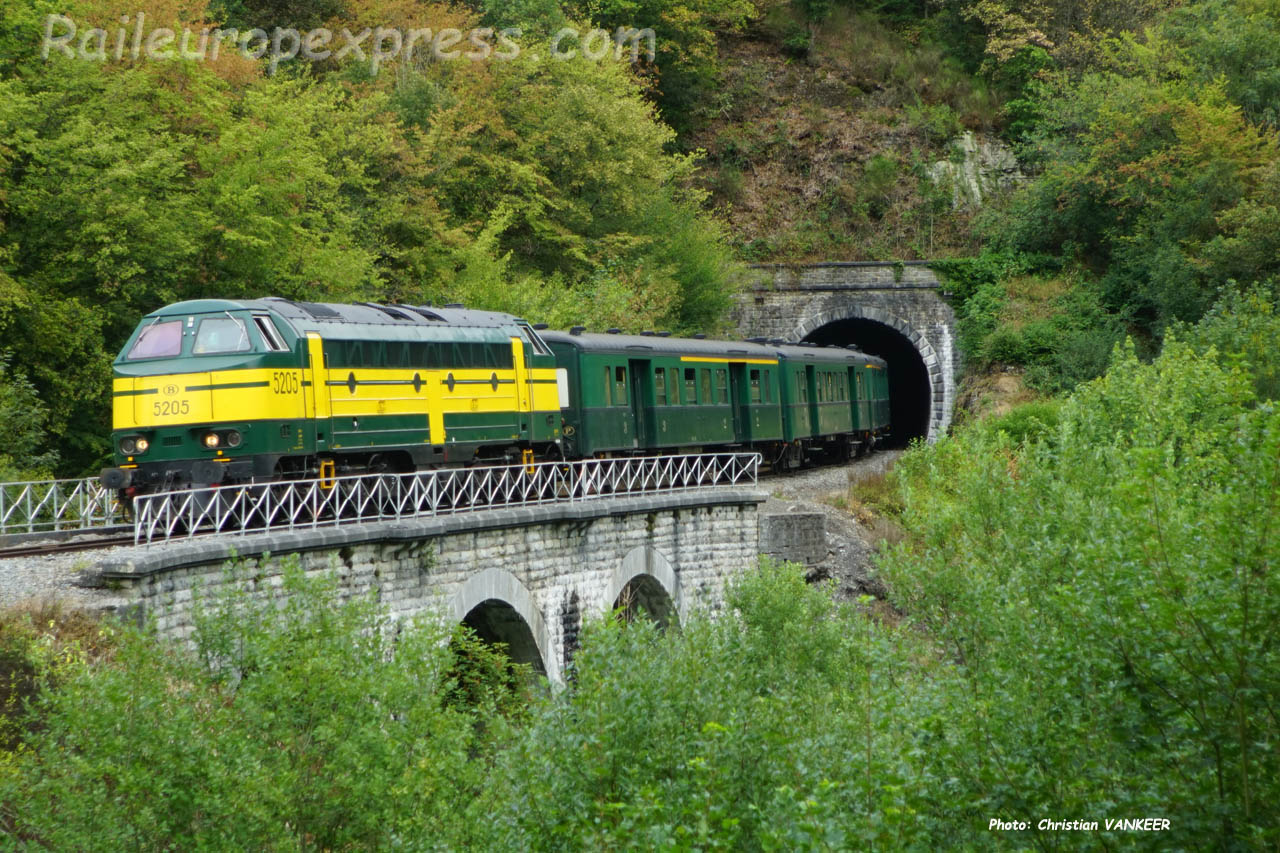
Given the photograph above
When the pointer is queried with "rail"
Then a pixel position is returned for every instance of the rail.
(40, 506)
(312, 503)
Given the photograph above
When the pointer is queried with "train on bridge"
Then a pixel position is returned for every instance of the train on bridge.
(215, 391)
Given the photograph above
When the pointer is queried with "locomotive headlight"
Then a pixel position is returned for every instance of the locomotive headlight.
(128, 446)
(142, 444)
(233, 438)
(210, 440)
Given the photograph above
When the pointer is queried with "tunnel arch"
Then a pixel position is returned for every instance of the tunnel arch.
(649, 583)
(917, 383)
(500, 609)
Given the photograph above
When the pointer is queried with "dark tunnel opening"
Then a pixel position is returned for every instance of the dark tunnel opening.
(910, 394)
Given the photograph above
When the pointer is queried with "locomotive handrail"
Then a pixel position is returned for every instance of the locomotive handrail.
(322, 502)
(39, 506)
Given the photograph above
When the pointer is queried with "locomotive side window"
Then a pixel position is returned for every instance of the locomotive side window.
(269, 334)
(159, 340)
(534, 341)
(220, 334)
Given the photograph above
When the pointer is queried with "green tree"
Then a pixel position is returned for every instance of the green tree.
(1137, 180)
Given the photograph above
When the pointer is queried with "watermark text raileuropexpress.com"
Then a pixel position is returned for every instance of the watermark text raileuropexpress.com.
(376, 45)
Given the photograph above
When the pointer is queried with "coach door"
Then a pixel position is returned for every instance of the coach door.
(641, 376)
(523, 404)
(858, 393)
(738, 399)
(315, 390)
(811, 383)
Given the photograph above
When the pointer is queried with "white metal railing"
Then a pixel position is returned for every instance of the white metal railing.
(39, 506)
(301, 504)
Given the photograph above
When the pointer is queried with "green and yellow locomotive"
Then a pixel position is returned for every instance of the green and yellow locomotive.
(215, 391)
(218, 391)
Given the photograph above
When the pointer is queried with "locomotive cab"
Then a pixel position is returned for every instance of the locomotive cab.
(194, 383)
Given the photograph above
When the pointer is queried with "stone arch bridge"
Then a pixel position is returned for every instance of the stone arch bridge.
(893, 310)
(525, 576)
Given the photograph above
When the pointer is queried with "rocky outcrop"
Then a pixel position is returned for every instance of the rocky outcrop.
(977, 168)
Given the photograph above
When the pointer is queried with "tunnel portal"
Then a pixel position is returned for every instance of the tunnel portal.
(910, 389)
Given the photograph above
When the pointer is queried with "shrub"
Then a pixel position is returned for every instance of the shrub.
(1106, 593)
(298, 720)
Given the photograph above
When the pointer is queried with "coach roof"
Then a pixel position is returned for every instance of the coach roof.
(639, 345)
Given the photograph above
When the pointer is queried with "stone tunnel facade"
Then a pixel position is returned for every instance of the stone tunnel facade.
(537, 571)
(794, 302)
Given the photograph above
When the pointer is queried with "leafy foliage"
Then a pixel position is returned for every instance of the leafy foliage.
(1107, 589)
(22, 423)
(131, 185)
(298, 720)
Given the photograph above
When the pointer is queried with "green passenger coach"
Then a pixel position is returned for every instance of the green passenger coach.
(636, 394)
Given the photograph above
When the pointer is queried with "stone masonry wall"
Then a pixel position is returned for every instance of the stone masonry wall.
(553, 564)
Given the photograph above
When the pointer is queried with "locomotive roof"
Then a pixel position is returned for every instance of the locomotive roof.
(641, 344)
(331, 318)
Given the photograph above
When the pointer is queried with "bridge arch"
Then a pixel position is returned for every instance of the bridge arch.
(499, 608)
(645, 580)
(919, 386)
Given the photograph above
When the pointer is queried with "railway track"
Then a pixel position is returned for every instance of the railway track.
(43, 544)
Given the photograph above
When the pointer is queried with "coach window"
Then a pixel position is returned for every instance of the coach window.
(722, 386)
(660, 386)
(673, 385)
(768, 392)
(690, 386)
(607, 382)
(620, 386)
(755, 386)
(221, 334)
(706, 385)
